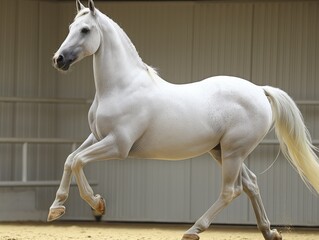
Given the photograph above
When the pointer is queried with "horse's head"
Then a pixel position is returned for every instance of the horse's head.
(83, 38)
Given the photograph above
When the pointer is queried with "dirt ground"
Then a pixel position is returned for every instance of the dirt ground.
(128, 231)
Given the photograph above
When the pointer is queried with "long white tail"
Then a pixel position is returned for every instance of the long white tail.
(294, 138)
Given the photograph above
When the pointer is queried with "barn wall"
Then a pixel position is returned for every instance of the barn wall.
(268, 43)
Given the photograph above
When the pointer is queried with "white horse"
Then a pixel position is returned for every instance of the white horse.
(135, 113)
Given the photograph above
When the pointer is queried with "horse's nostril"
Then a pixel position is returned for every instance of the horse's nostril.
(60, 59)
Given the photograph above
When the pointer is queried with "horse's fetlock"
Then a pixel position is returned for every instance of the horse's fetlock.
(201, 225)
(264, 227)
(85, 197)
(62, 196)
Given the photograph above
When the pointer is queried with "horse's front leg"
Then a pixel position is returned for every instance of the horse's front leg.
(57, 209)
(105, 149)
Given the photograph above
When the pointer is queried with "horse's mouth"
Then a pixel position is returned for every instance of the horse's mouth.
(65, 66)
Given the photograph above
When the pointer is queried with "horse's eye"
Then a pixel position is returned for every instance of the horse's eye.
(85, 30)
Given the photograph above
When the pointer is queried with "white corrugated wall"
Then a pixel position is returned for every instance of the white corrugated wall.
(273, 43)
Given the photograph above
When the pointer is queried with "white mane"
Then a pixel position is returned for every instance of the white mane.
(104, 20)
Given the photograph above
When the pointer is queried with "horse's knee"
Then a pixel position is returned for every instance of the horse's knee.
(68, 163)
(68, 166)
(77, 162)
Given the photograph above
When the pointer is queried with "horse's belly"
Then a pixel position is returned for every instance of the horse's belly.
(174, 145)
(176, 153)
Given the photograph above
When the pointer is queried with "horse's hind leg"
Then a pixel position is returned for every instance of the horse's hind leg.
(57, 209)
(231, 188)
(250, 186)
(252, 190)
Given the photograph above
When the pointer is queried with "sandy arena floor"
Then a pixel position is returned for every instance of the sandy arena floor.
(121, 231)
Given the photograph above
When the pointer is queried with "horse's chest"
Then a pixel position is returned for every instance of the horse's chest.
(106, 117)
(101, 120)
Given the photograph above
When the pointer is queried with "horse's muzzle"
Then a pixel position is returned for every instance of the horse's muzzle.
(61, 62)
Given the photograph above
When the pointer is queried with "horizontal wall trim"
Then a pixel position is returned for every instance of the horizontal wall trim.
(39, 140)
(37, 183)
(45, 100)
(89, 101)
(65, 140)
(275, 142)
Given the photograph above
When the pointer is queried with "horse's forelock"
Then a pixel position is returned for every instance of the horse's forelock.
(82, 12)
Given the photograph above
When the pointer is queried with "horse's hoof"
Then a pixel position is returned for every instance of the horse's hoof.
(275, 235)
(56, 213)
(190, 237)
(100, 210)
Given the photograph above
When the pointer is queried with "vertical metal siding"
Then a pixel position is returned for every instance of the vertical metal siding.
(274, 43)
(7, 79)
(26, 49)
(161, 33)
(46, 154)
(285, 54)
(222, 39)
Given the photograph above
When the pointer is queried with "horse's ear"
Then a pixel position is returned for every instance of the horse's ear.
(79, 5)
(91, 6)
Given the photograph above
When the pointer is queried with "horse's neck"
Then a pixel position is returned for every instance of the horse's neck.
(116, 62)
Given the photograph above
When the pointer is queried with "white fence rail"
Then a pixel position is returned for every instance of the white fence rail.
(25, 143)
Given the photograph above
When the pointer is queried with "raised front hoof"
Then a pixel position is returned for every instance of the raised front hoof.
(100, 210)
(55, 213)
(190, 237)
